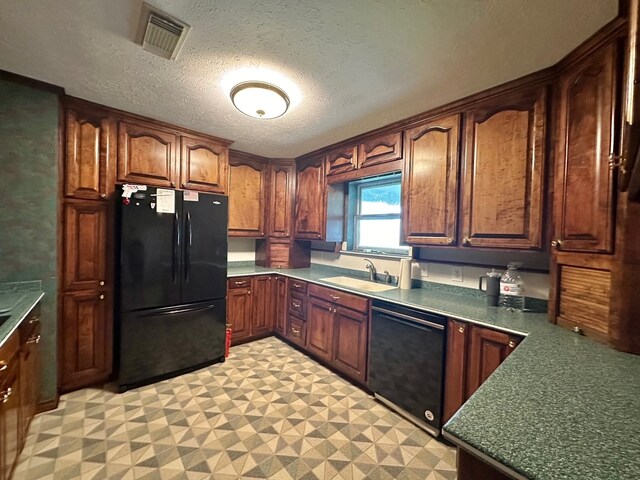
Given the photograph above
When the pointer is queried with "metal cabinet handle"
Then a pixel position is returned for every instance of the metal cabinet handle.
(577, 330)
(295, 330)
(249, 292)
(101, 297)
(103, 195)
(3, 365)
(242, 282)
(466, 241)
(184, 185)
(449, 239)
(556, 243)
(101, 283)
(512, 344)
(334, 297)
(34, 320)
(296, 304)
(173, 184)
(616, 161)
(297, 285)
(461, 329)
(6, 394)
(35, 339)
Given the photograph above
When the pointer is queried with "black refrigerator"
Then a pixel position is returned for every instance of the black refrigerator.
(171, 306)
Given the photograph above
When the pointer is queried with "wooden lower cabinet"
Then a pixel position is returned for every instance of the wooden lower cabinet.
(473, 354)
(296, 331)
(253, 306)
(350, 348)
(86, 348)
(320, 322)
(281, 304)
(19, 389)
(239, 312)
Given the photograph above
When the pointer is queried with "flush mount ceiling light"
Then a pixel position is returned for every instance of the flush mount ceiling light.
(260, 99)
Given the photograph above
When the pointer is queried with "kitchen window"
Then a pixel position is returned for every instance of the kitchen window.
(374, 213)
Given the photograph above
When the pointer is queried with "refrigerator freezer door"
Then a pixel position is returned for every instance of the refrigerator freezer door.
(159, 343)
(205, 248)
(150, 253)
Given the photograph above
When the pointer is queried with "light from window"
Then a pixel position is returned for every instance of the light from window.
(377, 219)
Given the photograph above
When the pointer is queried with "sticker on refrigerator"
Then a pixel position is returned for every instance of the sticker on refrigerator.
(165, 201)
(190, 196)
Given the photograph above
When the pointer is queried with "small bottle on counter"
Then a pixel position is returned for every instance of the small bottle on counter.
(512, 288)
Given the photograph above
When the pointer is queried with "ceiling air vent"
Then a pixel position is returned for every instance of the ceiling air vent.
(161, 33)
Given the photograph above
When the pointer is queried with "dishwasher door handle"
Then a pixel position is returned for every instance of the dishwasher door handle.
(419, 321)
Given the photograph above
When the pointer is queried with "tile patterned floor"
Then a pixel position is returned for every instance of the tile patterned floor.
(267, 412)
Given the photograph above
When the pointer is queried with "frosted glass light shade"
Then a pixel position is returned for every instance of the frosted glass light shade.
(260, 99)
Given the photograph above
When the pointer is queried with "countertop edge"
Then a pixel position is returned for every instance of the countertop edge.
(18, 320)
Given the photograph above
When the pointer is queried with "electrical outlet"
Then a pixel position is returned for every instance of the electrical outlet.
(456, 274)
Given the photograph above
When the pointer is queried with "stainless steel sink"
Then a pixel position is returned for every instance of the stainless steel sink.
(359, 284)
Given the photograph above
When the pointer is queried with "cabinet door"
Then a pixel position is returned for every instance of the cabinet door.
(146, 154)
(10, 420)
(296, 331)
(239, 312)
(89, 153)
(320, 329)
(247, 192)
(29, 371)
(310, 200)
(350, 348)
(204, 165)
(584, 182)
(85, 244)
(281, 304)
(487, 350)
(281, 198)
(455, 369)
(430, 182)
(86, 339)
(342, 160)
(383, 149)
(503, 172)
(263, 312)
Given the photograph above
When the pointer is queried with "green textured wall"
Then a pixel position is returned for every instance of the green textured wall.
(28, 192)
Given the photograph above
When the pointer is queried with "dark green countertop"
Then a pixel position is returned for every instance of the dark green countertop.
(561, 406)
(17, 300)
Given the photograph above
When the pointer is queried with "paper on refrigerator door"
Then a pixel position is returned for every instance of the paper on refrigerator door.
(165, 201)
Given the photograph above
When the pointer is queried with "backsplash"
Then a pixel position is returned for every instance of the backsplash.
(242, 250)
(536, 284)
(29, 185)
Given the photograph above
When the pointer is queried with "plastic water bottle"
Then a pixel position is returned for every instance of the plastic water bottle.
(512, 288)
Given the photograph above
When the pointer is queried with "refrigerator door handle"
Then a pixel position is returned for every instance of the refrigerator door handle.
(176, 245)
(179, 310)
(187, 248)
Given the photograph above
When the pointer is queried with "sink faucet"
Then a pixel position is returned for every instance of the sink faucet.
(372, 269)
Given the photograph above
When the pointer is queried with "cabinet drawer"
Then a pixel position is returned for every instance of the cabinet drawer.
(7, 355)
(297, 305)
(240, 282)
(296, 330)
(340, 298)
(297, 286)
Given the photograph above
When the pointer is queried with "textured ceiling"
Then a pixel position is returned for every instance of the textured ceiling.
(349, 66)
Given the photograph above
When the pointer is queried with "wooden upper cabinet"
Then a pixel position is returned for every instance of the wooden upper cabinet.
(502, 201)
(247, 192)
(487, 350)
(430, 182)
(282, 189)
(584, 191)
(147, 154)
(85, 244)
(204, 165)
(89, 153)
(382, 149)
(310, 199)
(342, 160)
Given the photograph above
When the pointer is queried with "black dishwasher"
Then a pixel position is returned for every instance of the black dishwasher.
(406, 362)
